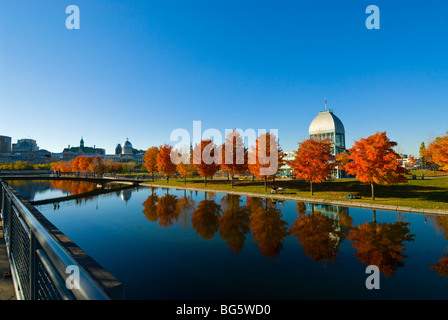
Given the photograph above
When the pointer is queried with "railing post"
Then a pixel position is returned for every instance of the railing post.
(32, 266)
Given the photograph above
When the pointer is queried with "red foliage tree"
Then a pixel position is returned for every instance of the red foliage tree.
(265, 158)
(204, 158)
(150, 160)
(313, 161)
(164, 163)
(373, 160)
(437, 152)
(234, 155)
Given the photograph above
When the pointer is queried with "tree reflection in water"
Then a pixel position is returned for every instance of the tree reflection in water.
(73, 187)
(167, 211)
(319, 235)
(205, 218)
(441, 223)
(320, 231)
(185, 208)
(381, 244)
(234, 222)
(150, 207)
(268, 229)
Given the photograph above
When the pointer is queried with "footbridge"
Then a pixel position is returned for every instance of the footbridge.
(100, 179)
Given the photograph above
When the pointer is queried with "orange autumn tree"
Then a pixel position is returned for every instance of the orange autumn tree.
(150, 160)
(164, 163)
(186, 168)
(373, 160)
(265, 158)
(63, 166)
(82, 163)
(234, 155)
(437, 152)
(205, 155)
(313, 161)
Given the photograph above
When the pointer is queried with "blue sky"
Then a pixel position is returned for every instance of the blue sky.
(141, 69)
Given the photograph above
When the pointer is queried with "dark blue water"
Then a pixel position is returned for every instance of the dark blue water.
(176, 244)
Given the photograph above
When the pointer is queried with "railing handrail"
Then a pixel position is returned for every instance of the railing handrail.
(59, 256)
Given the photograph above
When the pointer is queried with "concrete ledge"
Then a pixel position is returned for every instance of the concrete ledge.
(353, 204)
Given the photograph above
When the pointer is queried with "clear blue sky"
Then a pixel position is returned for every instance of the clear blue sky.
(141, 69)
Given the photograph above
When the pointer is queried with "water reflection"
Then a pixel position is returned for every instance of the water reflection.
(322, 233)
(268, 229)
(320, 229)
(205, 218)
(381, 244)
(28, 191)
(234, 222)
(73, 187)
(126, 195)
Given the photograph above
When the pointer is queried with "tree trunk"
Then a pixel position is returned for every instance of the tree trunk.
(232, 181)
(265, 183)
(205, 181)
(185, 179)
(373, 191)
(311, 188)
(153, 177)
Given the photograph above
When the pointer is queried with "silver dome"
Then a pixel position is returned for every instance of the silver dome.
(326, 121)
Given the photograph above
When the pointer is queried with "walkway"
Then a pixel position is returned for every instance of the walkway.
(7, 291)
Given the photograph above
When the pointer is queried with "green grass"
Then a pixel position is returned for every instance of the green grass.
(423, 194)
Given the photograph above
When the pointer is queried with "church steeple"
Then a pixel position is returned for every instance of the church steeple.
(81, 143)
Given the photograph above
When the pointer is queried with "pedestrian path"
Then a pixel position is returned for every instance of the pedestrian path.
(6, 283)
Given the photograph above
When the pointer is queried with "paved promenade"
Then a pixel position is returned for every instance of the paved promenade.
(6, 283)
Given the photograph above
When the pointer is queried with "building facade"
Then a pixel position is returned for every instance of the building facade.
(5, 144)
(25, 146)
(73, 152)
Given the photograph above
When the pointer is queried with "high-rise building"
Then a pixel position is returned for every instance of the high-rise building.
(5, 144)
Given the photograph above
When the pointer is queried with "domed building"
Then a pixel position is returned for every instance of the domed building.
(327, 125)
(127, 148)
(126, 153)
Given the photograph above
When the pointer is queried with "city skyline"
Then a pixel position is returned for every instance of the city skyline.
(142, 70)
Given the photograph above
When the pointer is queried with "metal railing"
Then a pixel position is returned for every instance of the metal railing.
(42, 258)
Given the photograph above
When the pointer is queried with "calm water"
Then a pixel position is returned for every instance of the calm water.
(176, 244)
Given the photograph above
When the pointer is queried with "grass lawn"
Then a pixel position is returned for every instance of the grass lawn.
(429, 193)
